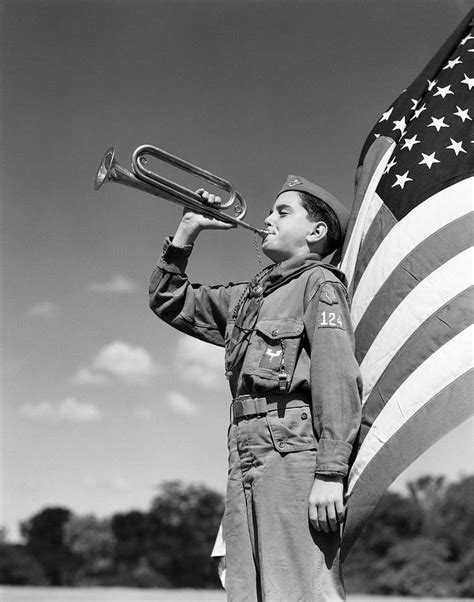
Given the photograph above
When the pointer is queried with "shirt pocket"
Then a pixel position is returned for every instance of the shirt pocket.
(292, 429)
(274, 348)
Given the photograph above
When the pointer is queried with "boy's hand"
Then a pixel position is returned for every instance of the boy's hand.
(201, 222)
(326, 503)
(192, 222)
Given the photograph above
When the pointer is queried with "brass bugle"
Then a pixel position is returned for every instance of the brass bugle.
(145, 180)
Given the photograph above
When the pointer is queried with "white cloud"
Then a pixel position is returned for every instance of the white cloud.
(68, 410)
(118, 360)
(181, 404)
(200, 363)
(86, 376)
(118, 285)
(45, 309)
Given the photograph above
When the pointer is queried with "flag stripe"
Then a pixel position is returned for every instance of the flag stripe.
(433, 252)
(454, 317)
(445, 365)
(429, 296)
(369, 205)
(406, 235)
(445, 411)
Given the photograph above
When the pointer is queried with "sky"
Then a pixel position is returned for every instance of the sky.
(101, 401)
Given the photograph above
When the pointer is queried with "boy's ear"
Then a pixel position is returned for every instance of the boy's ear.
(318, 232)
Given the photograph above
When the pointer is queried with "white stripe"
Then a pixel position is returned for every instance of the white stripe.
(368, 210)
(431, 215)
(447, 363)
(450, 279)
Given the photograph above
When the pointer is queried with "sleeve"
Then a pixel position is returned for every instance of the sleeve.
(197, 310)
(336, 382)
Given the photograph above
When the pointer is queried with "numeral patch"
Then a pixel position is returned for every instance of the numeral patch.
(330, 319)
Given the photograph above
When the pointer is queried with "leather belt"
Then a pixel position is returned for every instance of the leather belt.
(246, 406)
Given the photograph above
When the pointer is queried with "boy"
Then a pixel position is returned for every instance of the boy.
(296, 390)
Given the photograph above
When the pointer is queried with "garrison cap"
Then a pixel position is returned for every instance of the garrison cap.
(303, 185)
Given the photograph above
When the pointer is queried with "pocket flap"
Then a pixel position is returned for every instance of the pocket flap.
(280, 329)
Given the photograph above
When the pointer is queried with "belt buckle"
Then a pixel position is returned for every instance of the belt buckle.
(238, 409)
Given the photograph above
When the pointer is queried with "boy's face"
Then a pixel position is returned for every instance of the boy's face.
(288, 227)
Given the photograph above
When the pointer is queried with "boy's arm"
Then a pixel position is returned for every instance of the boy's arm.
(200, 311)
(336, 388)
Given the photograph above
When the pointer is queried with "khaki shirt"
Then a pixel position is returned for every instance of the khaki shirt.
(304, 325)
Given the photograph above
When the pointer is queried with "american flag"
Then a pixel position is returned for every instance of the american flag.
(409, 262)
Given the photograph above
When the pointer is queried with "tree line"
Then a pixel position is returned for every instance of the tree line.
(417, 544)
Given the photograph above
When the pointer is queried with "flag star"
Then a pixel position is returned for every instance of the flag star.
(415, 103)
(463, 114)
(469, 81)
(451, 64)
(400, 125)
(419, 111)
(377, 135)
(410, 142)
(432, 84)
(402, 180)
(386, 115)
(456, 147)
(466, 39)
(438, 123)
(390, 165)
(443, 91)
(428, 160)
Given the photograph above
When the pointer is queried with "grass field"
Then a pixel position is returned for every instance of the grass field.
(115, 594)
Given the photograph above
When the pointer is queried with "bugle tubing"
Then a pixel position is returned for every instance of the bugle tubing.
(147, 181)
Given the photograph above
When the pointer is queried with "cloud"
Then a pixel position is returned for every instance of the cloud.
(45, 309)
(200, 363)
(118, 360)
(181, 404)
(68, 410)
(118, 285)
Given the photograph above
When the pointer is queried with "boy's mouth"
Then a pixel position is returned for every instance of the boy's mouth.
(268, 232)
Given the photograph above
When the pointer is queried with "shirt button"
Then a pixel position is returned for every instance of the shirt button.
(281, 444)
(274, 332)
(304, 416)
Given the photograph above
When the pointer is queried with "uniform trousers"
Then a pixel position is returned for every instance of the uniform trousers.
(273, 552)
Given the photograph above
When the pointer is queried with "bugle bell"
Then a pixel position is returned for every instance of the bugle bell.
(145, 180)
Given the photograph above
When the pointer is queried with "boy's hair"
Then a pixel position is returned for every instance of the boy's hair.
(318, 210)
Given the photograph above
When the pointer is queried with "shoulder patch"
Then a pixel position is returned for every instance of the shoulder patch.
(328, 294)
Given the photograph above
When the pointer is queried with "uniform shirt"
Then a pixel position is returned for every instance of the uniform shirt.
(303, 332)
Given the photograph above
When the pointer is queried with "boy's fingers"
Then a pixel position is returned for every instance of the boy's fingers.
(313, 517)
(332, 518)
(323, 519)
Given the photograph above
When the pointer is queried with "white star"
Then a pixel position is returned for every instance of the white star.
(456, 147)
(390, 165)
(386, 115)
(444, 91)
(463, 114)
(419, 111)
(410, 142)
(451, 64)
(466, 39)
(428, 160)
(400, 125)
(415, 103)
(469, 81)
(438, 123)
(402, 180)
(432, 84)
(377, 135)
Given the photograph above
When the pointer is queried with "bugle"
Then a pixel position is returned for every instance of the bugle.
(145, 180)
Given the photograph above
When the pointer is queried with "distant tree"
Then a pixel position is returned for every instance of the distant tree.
(394, 519)
(45, 541)
(18, 567)
(418, 567)
(183, 522)
(92, 540)
(428, 493)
